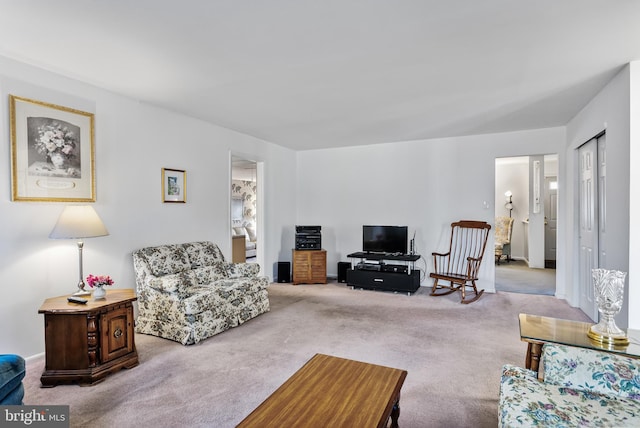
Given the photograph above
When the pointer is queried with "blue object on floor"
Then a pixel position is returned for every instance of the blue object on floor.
(12, 371)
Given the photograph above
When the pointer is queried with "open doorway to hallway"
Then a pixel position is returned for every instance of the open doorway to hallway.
(244, 210)
(526, 201)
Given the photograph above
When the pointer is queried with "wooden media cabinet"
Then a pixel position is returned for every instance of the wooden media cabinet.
(309, 267)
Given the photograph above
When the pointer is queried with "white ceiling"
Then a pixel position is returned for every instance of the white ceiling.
(325, 73)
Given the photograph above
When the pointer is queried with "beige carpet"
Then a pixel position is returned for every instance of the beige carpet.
(452, 352)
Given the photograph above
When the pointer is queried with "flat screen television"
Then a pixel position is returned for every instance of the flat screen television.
(384, 239)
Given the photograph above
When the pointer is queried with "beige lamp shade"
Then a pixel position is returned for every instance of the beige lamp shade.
(78, 221)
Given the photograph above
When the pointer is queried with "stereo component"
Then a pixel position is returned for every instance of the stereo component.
(308, 229)
(308, 238)
(395, 268)
(369, 266)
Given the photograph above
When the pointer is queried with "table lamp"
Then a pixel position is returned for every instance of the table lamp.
(79, 222)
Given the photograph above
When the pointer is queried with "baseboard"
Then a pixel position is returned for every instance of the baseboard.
(33, 357)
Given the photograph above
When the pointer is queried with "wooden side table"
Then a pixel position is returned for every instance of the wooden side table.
(86, 342)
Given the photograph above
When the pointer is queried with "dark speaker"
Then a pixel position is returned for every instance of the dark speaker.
(284, 272)
(342, 271)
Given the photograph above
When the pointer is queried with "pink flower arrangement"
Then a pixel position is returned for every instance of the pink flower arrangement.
(99, 281)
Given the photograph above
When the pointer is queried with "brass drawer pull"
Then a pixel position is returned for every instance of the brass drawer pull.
(117, 333)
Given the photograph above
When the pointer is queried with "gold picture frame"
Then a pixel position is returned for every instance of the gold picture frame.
(174, 185)
(52, 152)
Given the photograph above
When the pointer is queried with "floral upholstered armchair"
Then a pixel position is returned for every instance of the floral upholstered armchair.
(504, 228)
(581, 387)
(188, 292)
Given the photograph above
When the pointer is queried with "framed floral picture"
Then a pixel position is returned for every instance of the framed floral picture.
(174, 185)
(52, 152)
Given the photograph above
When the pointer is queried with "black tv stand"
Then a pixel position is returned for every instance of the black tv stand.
(369, 255)
(392, 276)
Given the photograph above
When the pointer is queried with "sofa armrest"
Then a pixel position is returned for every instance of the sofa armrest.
(526, 402)
(12, 372)
(242, 270)
(515, 371)
(591, 370)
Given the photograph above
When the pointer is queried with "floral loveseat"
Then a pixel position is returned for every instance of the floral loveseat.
(188, 292)
(581, 388)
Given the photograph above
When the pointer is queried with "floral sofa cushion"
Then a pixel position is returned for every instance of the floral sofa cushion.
(251, 232)
(240, 270)
(527, 402)
(203, 254)
(568, 396)
(188, 292)
(215, 298)
(210, 274)
(601, 372)
(173, 283)
(166, 259)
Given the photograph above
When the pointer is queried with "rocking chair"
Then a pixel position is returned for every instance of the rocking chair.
(461, 264)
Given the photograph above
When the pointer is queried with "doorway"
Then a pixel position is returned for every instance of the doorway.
(532, 235)
(550, 221)
(244, 214)
(592, 219)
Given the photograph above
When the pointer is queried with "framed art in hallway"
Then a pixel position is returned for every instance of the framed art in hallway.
(52, 152)
(174, 185)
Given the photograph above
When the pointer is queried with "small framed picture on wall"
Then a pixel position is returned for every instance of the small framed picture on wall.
(174, 185)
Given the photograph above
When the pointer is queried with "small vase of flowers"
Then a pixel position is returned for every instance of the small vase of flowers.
(99, 282)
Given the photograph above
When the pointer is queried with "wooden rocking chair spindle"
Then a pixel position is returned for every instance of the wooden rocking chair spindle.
(461, 264)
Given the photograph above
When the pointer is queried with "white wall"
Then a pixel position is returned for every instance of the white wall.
(634, 196)
(610, 111)
(133, 142)
(425, 185)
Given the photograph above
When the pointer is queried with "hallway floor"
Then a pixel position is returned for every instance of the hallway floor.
(516, 277)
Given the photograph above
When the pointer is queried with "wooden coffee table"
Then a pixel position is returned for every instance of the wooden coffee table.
(333, 392)
(537, 330)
